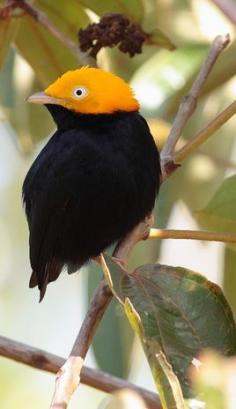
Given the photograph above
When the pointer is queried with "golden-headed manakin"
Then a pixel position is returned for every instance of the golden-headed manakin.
(95, 179)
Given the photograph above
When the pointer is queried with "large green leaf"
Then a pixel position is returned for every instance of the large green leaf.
(48, 57)
(113, 332)
(8, 30)
(179, 309)
(166, 381)
(32, 122)
(220, 214)
(68, 16)
(131, 8)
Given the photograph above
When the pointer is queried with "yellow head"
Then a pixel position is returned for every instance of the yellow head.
(89, 91)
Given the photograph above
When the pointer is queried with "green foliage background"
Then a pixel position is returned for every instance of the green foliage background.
(30, 58)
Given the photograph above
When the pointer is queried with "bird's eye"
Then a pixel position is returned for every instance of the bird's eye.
(80, 92)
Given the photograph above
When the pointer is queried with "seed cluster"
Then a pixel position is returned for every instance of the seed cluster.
(112, 30)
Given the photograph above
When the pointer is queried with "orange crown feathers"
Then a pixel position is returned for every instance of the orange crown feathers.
(90, 91)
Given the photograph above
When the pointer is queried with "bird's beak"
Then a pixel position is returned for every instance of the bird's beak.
(42, 98)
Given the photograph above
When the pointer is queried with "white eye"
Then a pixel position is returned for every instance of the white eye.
(80, 92)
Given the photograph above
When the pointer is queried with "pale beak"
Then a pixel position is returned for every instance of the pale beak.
(42, 98)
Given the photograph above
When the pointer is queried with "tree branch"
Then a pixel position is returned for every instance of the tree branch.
(205, 133)
(161, 234)
(189, 102)
(68, 377)
(37, 358)
(228, 7)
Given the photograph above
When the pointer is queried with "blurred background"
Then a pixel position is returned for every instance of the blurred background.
(30, 59)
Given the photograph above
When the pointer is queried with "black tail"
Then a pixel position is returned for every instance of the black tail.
(42, 278)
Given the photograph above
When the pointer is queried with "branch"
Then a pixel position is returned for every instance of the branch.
(68, 377)
(205, 133)
(189, 102)
(228, 7)
(37, 358)
(160, 234)
(42, 19)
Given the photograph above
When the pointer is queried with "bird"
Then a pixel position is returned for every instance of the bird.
(96, 178)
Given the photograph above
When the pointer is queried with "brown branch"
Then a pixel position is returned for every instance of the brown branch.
(228, 7)
(189, 102)
(37, 358)
(68, 377)
(160, 234)
(42, 19)
(98, 305)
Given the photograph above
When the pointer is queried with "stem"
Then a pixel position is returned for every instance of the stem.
(42, 19)
(189, 102)
(37, 358)
(205, 133)
(160, 234)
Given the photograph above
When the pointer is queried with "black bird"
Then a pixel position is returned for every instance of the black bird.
(95, 179)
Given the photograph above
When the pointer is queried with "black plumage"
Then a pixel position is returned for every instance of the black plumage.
(95, 179)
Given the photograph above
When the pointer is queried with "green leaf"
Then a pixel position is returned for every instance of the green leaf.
(48, 57)
(131, 8)
(157, 37)
(166, 381)
(68, 16)
(114, 332)
(180, 310)
(8, 30)
(220, 214)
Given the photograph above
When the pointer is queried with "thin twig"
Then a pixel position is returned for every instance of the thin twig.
(37, 358)
(160, 234)
(205, 133)
(228, 7)
(68, 377)
(42, 19)
(189, 102)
